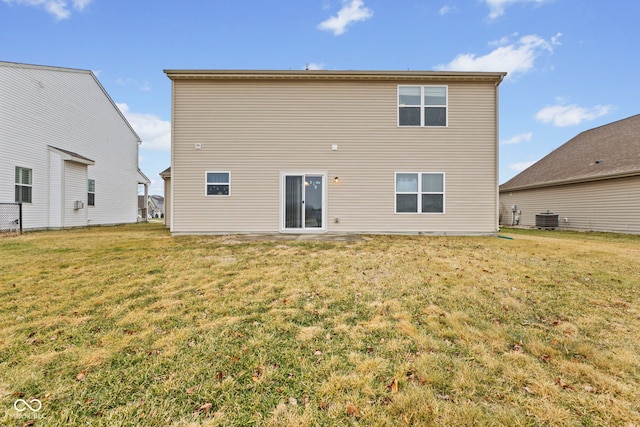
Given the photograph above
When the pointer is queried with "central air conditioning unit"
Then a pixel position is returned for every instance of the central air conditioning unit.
(78, 204)
(547, 221)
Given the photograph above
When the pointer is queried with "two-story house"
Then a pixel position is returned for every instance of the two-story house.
(333, 151)
(67, 153)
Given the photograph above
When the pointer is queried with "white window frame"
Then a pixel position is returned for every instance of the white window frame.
(422, 106)
(207, 183)
(283, 192)
(89, 192)
(419, 193)
(18, 176)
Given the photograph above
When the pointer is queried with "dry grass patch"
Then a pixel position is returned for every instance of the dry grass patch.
(127, 326)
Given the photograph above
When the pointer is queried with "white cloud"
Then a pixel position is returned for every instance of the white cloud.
(520, 166)
(497, 7)
(445, 9)
(517, 139)
(154, 132)
(60, 9)
(567, 115)
(352, 11)
(315, 66)
(81, 4)
(513, 57)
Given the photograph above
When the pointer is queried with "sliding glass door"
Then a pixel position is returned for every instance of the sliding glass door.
(303, 202)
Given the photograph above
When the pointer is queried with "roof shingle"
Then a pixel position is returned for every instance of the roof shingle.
(604, 152)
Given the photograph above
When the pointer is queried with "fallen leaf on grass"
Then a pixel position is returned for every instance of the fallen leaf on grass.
(258, 373)
(518, 347)
(589, 389)
(562, 383)
(393, 386)
(529, 391)
(81, 376)
(412, 377)
(205, 407)
(352, 410)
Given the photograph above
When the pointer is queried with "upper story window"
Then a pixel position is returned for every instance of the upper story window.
(218, 183)
(422, 106)
(24, 177)
(91, 192)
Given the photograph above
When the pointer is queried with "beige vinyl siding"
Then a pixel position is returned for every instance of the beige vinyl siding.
(606, 205)
(258, 130)
(167, 202)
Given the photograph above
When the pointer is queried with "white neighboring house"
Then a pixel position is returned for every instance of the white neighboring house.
(66, 151)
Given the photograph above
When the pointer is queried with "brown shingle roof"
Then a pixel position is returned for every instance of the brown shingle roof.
(604, 152)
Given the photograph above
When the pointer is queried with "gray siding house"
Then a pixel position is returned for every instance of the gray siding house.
(66, 151)
(333, 152)
(592, 182)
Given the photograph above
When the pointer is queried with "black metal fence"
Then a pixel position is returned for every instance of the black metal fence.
(11, 218)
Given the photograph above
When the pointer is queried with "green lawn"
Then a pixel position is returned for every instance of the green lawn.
(111, 326)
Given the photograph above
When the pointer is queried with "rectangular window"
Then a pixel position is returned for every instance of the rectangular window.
(419, 192)
(24, 177)
(218, 183)
(424, 106)
(91, 192)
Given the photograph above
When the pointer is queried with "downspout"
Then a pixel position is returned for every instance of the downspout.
(497, 158)
(173, 139)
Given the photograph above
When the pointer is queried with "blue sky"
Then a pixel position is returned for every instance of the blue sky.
(573, 64)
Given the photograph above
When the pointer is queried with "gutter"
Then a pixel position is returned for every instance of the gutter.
(570, 181)
(334, 75)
